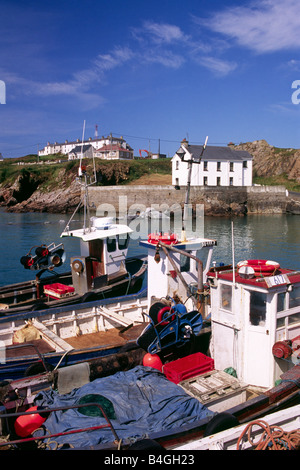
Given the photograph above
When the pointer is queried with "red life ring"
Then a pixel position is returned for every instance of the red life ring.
(260, 266)
(161, 313)
(167, 238)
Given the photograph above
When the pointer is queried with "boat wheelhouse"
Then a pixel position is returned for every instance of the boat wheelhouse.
(103, 251)
(178, 268)
(255, 319)
(102, 270)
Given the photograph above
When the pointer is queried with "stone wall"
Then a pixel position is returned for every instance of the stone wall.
(216, 200)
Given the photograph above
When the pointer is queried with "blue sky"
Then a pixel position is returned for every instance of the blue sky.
(151, 71)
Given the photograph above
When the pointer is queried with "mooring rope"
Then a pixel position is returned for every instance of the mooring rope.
(272, 438)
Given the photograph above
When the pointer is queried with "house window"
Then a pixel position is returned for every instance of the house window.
(205, 181)
(245, 164)
(218, 181)
(231, 166)
(218, 166)
(230, 181)
(204, 166)
(177, 165)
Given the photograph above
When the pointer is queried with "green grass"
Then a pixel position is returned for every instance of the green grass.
(108, 172)
(279, 180)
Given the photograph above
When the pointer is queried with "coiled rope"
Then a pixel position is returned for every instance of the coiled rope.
(272, 438)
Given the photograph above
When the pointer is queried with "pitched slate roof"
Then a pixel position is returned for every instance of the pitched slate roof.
(218, 153)
(78, 148)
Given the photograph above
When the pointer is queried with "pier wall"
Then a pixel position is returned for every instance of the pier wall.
(216, 200)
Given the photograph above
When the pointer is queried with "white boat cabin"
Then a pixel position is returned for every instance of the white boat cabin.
(255, 315)
(176, 274)
(103, 251)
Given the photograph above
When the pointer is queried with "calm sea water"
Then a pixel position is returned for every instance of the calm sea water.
(275, 237)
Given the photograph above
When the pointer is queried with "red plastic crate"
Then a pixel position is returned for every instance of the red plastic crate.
(58, 291)
(187, 367)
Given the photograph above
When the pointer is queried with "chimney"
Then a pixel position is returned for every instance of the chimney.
(185, 143)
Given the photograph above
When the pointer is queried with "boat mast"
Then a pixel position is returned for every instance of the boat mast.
(83, 174)
(181, 153)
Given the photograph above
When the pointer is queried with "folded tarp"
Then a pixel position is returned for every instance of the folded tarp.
(138, 402)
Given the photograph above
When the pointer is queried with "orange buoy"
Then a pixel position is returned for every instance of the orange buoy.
(152, 360)
(28, 423)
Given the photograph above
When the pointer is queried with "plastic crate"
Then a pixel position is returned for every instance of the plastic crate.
(216, 389)
(187, 367)
(58, 291)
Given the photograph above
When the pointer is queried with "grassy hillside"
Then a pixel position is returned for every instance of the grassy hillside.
(271, 166)
(48, 172)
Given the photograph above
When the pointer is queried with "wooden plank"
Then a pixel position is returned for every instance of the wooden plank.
(51, 337)
(114, 316)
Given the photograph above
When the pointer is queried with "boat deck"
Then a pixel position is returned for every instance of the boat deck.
(41, 345)
(111, 337)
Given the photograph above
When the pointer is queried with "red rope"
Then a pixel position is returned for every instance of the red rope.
(272, 438)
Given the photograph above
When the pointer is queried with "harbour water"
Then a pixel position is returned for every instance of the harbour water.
(274, 237)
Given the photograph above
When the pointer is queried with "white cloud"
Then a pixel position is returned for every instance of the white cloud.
(265, 26)
(218, 66)
(167, 59)
(80, 84)
(162, 33)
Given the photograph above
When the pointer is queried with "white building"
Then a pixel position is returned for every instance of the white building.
(104, 147)
(213, 166)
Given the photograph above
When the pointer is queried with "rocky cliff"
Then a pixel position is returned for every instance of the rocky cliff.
(59, 191)
(273, 161)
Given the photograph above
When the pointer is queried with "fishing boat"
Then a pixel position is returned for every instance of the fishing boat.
(251, 368)
(102, 270)
(64, 336)
(277, 431)
(35, 341)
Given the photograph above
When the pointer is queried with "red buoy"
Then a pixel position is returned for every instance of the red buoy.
(152, 360)
(28, 423)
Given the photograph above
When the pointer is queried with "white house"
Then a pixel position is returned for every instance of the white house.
(81, 151)
(105, 147)
(213, 166)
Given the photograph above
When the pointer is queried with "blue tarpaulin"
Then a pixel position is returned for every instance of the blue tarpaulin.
(143, 400)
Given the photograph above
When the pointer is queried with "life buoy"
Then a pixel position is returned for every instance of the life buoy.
(260, 266)
(167, 238)
(161, 313)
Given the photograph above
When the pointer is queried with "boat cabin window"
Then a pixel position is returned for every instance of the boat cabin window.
(294, 297)
(123, 241)
(226, 297)
(184, 263)
(295, 318)
(281, 302)
(258, 308)
(111, 244)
